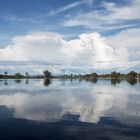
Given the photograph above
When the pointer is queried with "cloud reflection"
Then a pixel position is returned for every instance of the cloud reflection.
(91, 102)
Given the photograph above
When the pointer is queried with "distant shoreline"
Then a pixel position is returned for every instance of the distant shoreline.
(70, 78)
(92, 76)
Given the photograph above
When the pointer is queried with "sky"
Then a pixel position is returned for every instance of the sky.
(69, 36)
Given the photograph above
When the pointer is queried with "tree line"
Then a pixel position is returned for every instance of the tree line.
(48, 75)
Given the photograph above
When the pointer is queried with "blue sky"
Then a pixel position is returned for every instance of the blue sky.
(91, 31)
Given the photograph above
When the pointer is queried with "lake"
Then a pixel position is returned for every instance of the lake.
(69, 110)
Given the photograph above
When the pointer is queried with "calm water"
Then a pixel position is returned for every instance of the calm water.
(69, 110)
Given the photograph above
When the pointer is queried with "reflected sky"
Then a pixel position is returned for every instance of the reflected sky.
(34, 100)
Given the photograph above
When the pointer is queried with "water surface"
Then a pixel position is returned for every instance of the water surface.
(69, 109)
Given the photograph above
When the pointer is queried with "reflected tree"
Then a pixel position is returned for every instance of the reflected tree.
(18, 81)
(94, 80)
(47, 82)
(27, 81)
(115, 81)
(132, 81)
(5, 82)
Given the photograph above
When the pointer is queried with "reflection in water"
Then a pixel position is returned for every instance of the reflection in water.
(90, 102)
(27, 81)
(18, 81)
(106, 129)
(5, 82)
(132, 81)
(6, 112)
(115, 81)
(93, 80)
(73, 108)
(47, 82)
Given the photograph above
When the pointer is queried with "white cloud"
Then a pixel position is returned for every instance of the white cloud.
(65, 8)
(128, 39)
(130, 11)
(89, 50)
(110, 16)
(33, 47)
(70, 6)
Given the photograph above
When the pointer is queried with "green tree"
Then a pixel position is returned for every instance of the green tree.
(94, 75)
(71, 75)
(27, 75)
(115, 75)
(47, 74)
(132, 75)
(5, 74)
(19, 75)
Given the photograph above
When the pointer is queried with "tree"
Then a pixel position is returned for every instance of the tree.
(132, 75)
(47, 74)
(5, 73)
(91, 76)
(139, 75)
(1, 76)
(27, 75)
(94, 75)
(18, 75)
(71, 75)
(115, 75)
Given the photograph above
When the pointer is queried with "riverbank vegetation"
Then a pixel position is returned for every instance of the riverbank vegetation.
(48, 75)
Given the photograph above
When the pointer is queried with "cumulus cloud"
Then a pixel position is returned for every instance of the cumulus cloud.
(38, 46)
(89, 50)
(129, 41)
